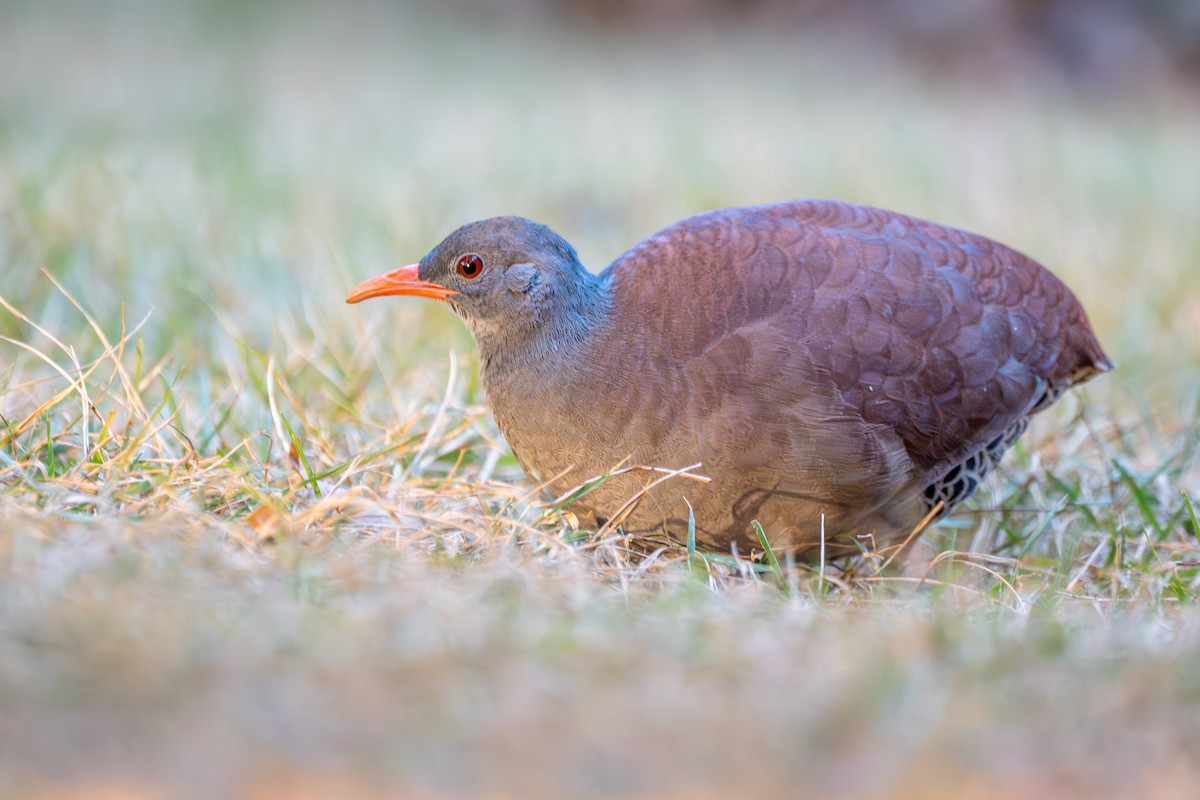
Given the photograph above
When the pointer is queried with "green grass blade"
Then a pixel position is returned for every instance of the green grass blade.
(1191, 512)
(298, 446)
(772, 561)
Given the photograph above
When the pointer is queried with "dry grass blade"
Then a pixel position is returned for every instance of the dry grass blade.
(115, 356)
(897, 550)
(627, 508)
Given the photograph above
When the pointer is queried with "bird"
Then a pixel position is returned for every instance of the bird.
(829, 376)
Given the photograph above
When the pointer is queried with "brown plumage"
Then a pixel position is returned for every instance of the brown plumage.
(816, 358)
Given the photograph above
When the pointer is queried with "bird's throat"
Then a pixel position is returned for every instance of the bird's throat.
(561, 326)
(550, 347)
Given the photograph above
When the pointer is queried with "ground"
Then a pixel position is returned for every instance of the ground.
(256, 542)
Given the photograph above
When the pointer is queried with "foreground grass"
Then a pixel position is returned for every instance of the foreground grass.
(254, 541)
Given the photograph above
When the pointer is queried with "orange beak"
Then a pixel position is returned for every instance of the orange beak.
(398, 281)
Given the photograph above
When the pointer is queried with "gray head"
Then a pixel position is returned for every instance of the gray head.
(516, 283)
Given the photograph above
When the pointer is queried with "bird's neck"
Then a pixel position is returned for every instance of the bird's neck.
(550, 347)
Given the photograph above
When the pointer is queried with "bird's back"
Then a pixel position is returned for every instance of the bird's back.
(944, 336)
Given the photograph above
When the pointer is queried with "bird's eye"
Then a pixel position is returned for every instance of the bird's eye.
(470, 265)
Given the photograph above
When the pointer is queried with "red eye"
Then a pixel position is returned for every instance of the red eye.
(470, 265)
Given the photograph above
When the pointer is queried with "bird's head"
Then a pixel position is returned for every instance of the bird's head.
(510, 279)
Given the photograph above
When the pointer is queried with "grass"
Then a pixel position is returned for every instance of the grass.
(255, 542)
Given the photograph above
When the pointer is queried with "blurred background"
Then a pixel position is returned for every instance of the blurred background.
(1094, 44)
